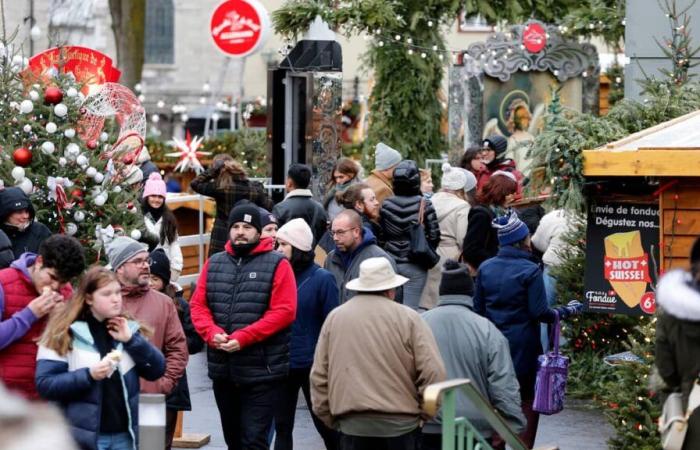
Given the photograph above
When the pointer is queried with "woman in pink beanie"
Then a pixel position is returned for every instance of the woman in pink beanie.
(160, 222)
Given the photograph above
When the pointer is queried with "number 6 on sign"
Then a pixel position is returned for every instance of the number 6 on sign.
(648, 303)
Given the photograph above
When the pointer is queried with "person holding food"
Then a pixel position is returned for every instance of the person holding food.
(89, 361)
(30, 288)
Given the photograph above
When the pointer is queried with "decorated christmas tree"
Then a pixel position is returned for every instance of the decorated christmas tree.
(72, 147)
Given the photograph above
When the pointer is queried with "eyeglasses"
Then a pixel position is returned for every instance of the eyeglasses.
(340, 232)
(141, 262)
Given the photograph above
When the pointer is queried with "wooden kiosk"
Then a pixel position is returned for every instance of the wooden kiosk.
(667, 157)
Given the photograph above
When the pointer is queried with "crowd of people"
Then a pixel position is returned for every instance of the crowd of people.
(324, 297)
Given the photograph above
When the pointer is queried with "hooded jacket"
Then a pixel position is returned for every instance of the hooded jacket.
(346, 266)
(472, 347)
(29, 239)
(66, 380)
(20, 328)
(678, 341)
(400, 212)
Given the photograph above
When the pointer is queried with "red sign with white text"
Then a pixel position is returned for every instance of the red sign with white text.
(89, 66)
(534, 38)
(627, 269)
(239, 27)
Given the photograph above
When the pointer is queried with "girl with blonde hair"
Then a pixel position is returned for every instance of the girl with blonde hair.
(90, 360)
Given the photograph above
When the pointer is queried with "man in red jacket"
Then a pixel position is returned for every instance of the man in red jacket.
(243, 307)
(31, 288)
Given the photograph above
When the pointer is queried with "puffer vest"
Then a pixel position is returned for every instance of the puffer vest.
(18, 360)
(238, 294)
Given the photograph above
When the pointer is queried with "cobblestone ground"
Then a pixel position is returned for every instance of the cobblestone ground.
(576, 428)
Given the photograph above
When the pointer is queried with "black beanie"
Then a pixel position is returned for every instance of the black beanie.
(456, 279)
(248, 213)
(266, 218)
(160, 265)
(498, 144)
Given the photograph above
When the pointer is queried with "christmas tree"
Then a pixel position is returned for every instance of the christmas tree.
(61, 154)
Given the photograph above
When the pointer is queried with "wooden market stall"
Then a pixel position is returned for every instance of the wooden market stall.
(666, 156)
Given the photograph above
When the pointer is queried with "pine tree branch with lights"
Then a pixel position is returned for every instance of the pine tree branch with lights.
(54, 149)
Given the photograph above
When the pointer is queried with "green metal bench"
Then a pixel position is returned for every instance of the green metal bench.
(457, 432)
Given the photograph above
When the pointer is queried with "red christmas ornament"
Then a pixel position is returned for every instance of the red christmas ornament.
(128, 159)
(92, 145)
(53, 95)
(82, 110)
(129, 205)
(22, 157)
(77, 193)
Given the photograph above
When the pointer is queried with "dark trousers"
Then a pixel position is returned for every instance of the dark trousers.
(408, 441)
(170, 422)
(286, 407)
(527, 397)
(246, 413)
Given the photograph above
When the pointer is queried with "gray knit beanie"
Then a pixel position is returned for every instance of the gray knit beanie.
(385, 157)
(122, 249)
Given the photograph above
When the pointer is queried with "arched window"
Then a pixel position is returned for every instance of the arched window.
(160, 32)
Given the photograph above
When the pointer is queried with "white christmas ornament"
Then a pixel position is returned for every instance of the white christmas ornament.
(62, 161)
(26, 106)
(51, 128)
(48, 147)
(27, 128)
(72, 92)
(81, 160)
(91, 172)
(17, 60)
(135, 235)
(79, 216)
(26, 186)
(99, 178)
(71, 228)
(69, 133)
(60, 110)
(14, 105)
(34, 95)
(72, 149)
(104, 136)
(100, 200)
(18, 174)
(117, 189)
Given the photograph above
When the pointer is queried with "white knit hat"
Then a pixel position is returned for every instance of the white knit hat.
(471, 180)
(297, 233)
(453, 178)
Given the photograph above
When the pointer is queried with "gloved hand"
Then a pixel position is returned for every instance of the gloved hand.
(574, 307)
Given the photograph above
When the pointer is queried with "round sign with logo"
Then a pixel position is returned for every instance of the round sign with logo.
(534, 38)
(239, 27)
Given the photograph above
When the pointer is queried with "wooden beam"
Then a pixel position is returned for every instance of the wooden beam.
(652, 162)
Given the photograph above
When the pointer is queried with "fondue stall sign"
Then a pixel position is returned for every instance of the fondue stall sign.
(621, 254)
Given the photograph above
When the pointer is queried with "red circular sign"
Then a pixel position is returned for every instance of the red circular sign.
(239, 27)
(648, 303)
(534, 38)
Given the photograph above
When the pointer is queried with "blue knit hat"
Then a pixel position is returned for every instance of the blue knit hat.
(510, 228)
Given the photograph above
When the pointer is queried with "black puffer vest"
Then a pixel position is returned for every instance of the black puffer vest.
(238, 294)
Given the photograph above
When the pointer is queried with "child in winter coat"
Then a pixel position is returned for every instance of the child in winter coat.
(161, 226)
(179, 398)
(89, 361)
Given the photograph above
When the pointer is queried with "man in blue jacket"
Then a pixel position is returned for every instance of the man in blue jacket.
(510, 293)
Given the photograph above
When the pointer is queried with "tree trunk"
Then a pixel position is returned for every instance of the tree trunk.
(129, 28)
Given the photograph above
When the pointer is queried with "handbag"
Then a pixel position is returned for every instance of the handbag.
(673, 422)
(552, 371)
(421, 253)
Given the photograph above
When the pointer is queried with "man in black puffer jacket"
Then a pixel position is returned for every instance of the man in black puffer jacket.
(398, 214)
(17, 221)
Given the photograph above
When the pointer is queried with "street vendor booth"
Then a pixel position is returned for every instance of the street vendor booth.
(643, 213)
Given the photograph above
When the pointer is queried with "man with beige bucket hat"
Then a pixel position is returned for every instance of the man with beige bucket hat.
(368, 344)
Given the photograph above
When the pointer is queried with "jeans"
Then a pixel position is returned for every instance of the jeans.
(115, 441)
(408, 441)
(413, 289)
(550, 289)
(246, 413)
(286, 407)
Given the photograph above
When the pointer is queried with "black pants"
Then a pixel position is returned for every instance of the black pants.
(408, 441)
(286, 407)
(170, 423)
(246, 413)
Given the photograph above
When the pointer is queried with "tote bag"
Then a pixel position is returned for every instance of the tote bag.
(550, 386)
(421, 252)
(673, 423)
